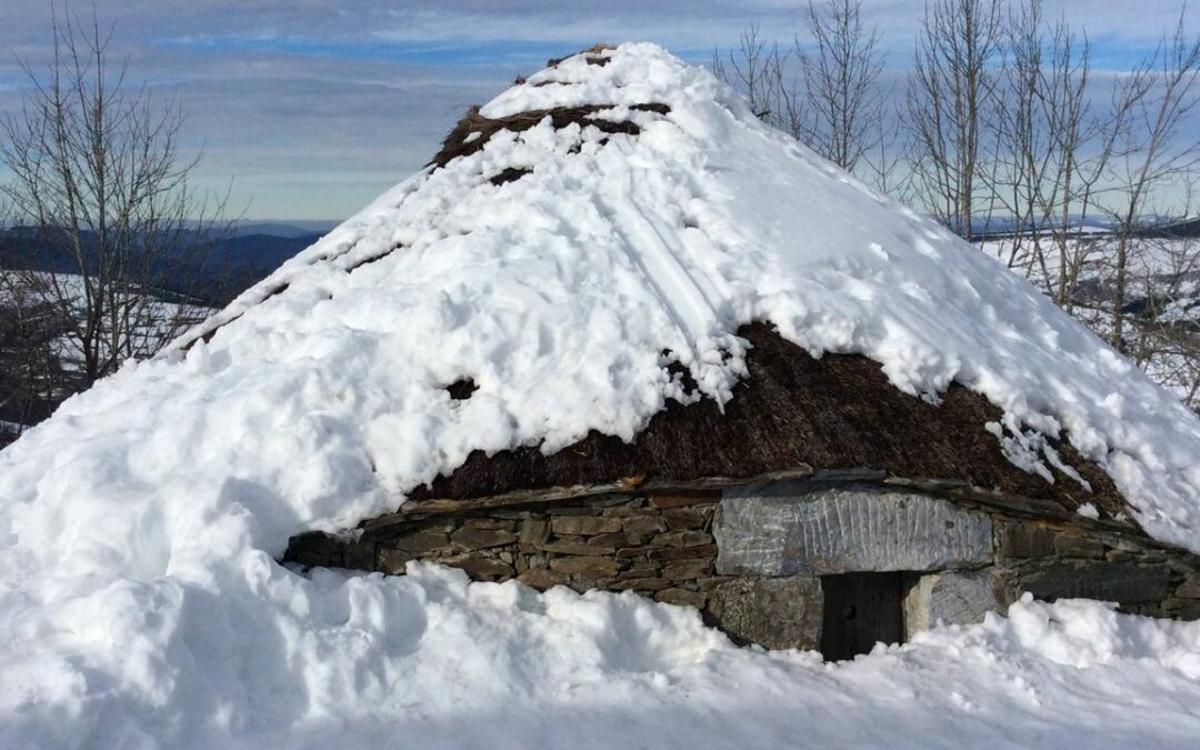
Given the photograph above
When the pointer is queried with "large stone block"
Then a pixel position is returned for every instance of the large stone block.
(953, 597)
(786, 528)
(772, 612)
(1122, 582)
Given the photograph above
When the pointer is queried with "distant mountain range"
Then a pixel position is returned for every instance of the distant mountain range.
(213, 274)
(288, 230)
(1150, 226)
(253, 249)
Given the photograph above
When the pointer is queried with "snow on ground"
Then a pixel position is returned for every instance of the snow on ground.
(480, 665)
(139, 603)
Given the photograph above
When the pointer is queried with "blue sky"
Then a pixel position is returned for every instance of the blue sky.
(307, 109)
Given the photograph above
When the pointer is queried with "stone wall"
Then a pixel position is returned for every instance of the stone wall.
(1057, 560)
(660, 546)
(753, 558)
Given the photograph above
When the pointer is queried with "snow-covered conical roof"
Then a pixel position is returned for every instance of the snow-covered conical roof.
(575, 273)
(602, 228)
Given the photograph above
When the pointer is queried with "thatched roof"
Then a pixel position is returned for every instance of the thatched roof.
(839, 413)
(836, 413)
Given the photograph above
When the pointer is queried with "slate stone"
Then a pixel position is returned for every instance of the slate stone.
(684, 519)
(707, 551)
(641, 528)
(542, 579)
(686, 570)
(421, 542)
(1186, 609)
(1122, 582)
(534, 531)
(1024, 540)
(791, 527)
(597, 567)
(488, 523)
(361, 555)
(953, 597)
(682, 539)
(609, 541)
(484, 567)
(640, 570)
(682, 597)
(641, 584)
(473, 539)
(681, 501)
(1078, 545)
(392, 561)
(584, 525)
(315, 548)
(577, 546)
(776, 613)
(1189, 589)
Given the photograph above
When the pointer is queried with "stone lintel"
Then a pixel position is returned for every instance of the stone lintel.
(793, 527)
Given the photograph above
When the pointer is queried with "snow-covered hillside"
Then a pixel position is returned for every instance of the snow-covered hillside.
(1162, 298)
(42, 359)
(140, 605)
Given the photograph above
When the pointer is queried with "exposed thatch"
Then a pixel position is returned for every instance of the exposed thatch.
(461, 390)
(839, 412)
(509, 174)
(591, 56)
(461, 141)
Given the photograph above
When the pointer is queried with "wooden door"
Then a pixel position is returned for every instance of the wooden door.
(861, 609)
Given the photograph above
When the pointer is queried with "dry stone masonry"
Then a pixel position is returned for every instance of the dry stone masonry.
(660, 546)
(785, 564)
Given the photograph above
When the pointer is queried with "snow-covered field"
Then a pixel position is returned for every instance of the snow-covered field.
(154, 320)
(140, 605)
(1162, 299)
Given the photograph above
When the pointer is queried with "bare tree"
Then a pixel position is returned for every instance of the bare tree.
(1156, 146)
(841, 76)
(1163, 335)
(951, 86)
(1022, 128)
(755, 68)
(97, 172)
(1052, 151)
(30, 373)
(29, 369)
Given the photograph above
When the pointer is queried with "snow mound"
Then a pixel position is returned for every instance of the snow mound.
(139, 603)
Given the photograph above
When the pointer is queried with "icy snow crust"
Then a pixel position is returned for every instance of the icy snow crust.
(139, 603)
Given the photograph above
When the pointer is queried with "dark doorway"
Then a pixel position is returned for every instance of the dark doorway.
(860, 609)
